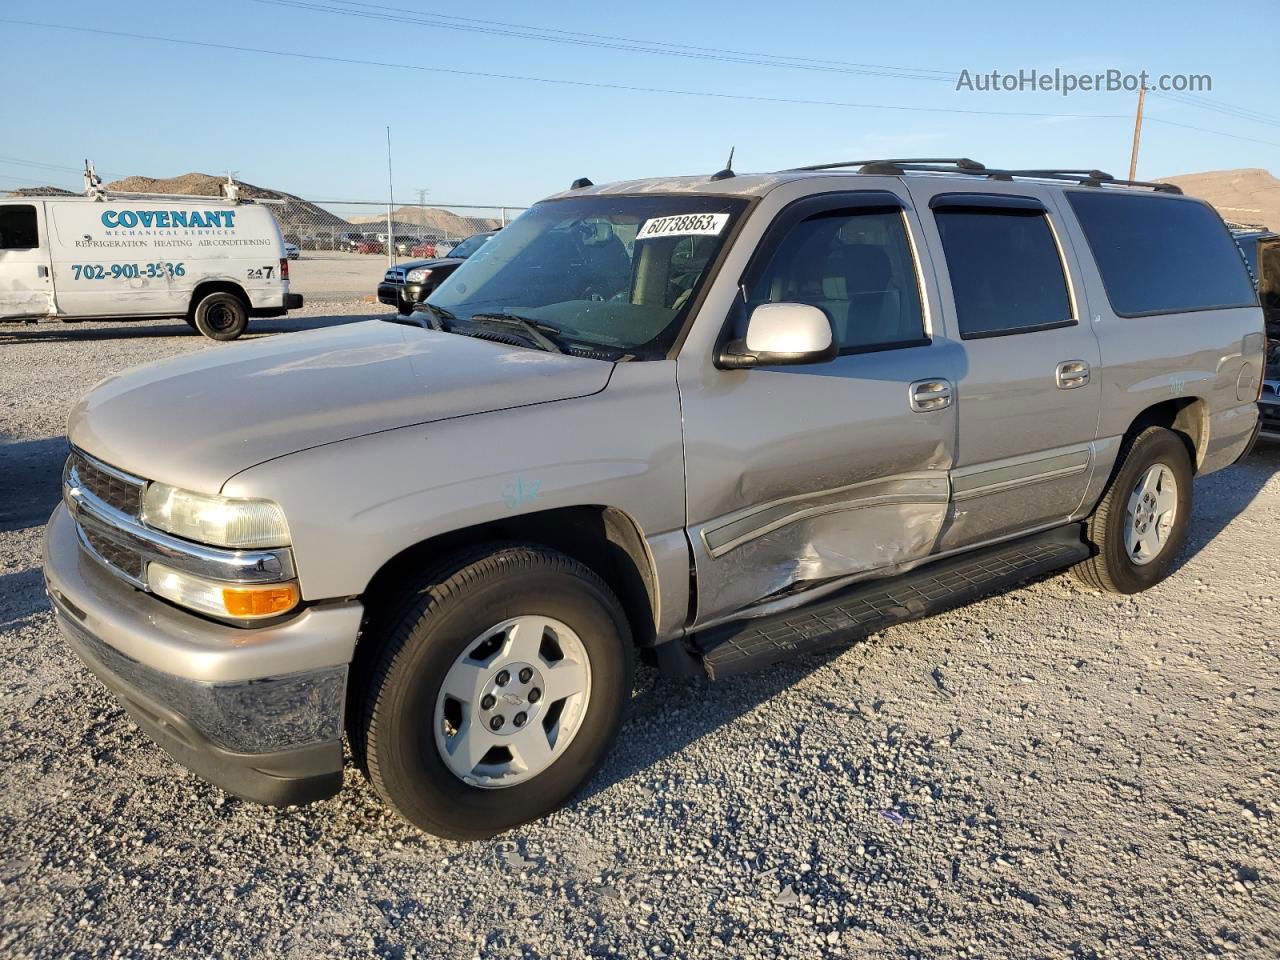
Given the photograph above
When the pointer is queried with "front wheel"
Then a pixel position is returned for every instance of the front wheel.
(1141, 522)
(221, 316)
(494, 693)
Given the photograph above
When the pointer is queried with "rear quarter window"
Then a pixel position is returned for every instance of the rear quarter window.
(1161, 254)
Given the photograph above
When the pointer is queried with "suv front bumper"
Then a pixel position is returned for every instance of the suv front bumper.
(257, 712)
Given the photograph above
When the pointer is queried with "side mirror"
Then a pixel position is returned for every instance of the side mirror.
(781, 333)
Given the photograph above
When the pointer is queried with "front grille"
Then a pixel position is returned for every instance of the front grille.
(395, 275)
(107, 487)
(114, 555)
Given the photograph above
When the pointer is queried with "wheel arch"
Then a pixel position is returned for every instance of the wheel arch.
(206, 287)
(604, 538)
(1188, 417)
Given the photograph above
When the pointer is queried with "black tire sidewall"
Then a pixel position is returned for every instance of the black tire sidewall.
(418, 783)
(1157, 446)
(224, 300)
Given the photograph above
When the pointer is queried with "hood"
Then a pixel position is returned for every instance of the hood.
(197, 420)
(434, 264)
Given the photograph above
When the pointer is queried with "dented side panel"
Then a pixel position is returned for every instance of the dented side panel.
(26, 281)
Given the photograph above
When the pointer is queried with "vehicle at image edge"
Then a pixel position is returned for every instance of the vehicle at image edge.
(216, 263)
(716, 421)
(1261, 248)
(408, 284)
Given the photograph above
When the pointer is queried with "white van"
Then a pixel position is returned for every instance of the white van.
(214, 262)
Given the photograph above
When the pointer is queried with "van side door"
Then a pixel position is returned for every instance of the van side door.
(801, 476)
(1029, 396)
(26, 277)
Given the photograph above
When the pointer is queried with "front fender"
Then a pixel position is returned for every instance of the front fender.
(354, 504)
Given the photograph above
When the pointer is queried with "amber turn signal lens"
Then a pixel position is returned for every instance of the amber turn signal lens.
(260, 601)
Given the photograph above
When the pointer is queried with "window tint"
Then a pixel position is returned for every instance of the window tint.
(1160, 254)
(18, 227)
(1006, 274)
(856, 266)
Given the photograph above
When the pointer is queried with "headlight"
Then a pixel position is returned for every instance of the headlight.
(217, 521)
(240, 601)
(417, 276)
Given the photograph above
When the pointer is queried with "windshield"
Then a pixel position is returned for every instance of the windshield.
(616, 273)
(469, 246)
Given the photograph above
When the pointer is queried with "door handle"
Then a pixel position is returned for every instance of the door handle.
(1070, 374)
(927, 395)
(42, 271)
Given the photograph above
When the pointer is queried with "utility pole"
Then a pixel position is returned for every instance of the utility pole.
(1137, 134)
(391, 200)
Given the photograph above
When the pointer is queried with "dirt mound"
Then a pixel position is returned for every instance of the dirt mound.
(295, 209)
(434, 220)
(1247, 196)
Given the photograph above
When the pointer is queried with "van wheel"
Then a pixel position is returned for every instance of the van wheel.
(493, 691)
(1141, 523)
(221, 316)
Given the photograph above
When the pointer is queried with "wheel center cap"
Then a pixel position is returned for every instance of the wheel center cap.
(511, 699)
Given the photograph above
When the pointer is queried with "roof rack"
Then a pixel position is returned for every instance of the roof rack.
(963, 165)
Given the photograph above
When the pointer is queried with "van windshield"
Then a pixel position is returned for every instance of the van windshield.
(613, 273)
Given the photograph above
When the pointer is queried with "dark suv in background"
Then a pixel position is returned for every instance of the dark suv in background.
(1261, 248)
(408, 284)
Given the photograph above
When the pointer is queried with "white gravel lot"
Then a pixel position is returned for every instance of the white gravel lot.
(1069, 774)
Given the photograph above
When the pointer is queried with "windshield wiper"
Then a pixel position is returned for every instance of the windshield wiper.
(439, 318)
(543, 335)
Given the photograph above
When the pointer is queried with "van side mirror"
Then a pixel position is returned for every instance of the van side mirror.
(781, 333)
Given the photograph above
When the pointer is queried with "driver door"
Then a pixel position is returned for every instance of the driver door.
(799, 476)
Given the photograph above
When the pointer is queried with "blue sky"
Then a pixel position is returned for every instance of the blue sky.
(317, 128)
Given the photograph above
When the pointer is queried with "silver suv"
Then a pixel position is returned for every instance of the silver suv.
(716, 421)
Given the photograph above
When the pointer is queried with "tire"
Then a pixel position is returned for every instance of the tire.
(402, 712)
(1121, 566)
(221, 316)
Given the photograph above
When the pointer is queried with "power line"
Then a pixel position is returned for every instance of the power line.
(750, 98)
(948, 74)
(1216, 133)
(404, 15)
(1239, 113)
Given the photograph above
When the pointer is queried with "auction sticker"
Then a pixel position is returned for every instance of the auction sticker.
(684, 225)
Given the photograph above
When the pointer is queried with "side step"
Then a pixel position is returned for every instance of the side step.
(864, 608)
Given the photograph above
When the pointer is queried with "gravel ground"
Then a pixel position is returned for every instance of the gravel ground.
(1047, 773)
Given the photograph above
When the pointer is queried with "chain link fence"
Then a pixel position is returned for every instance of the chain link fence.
(344, 247)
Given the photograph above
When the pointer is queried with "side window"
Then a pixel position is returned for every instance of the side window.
(1160, 254)
(18, 227)
(1006, 273)
(856, 266)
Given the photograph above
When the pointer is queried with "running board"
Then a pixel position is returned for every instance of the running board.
(867, 607)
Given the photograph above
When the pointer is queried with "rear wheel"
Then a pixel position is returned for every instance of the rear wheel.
(221, 316)
(1141, 522)
(494, 692)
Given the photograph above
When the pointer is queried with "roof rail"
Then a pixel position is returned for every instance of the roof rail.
(963, 165)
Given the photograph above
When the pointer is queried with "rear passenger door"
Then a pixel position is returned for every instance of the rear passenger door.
(1028, 398)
